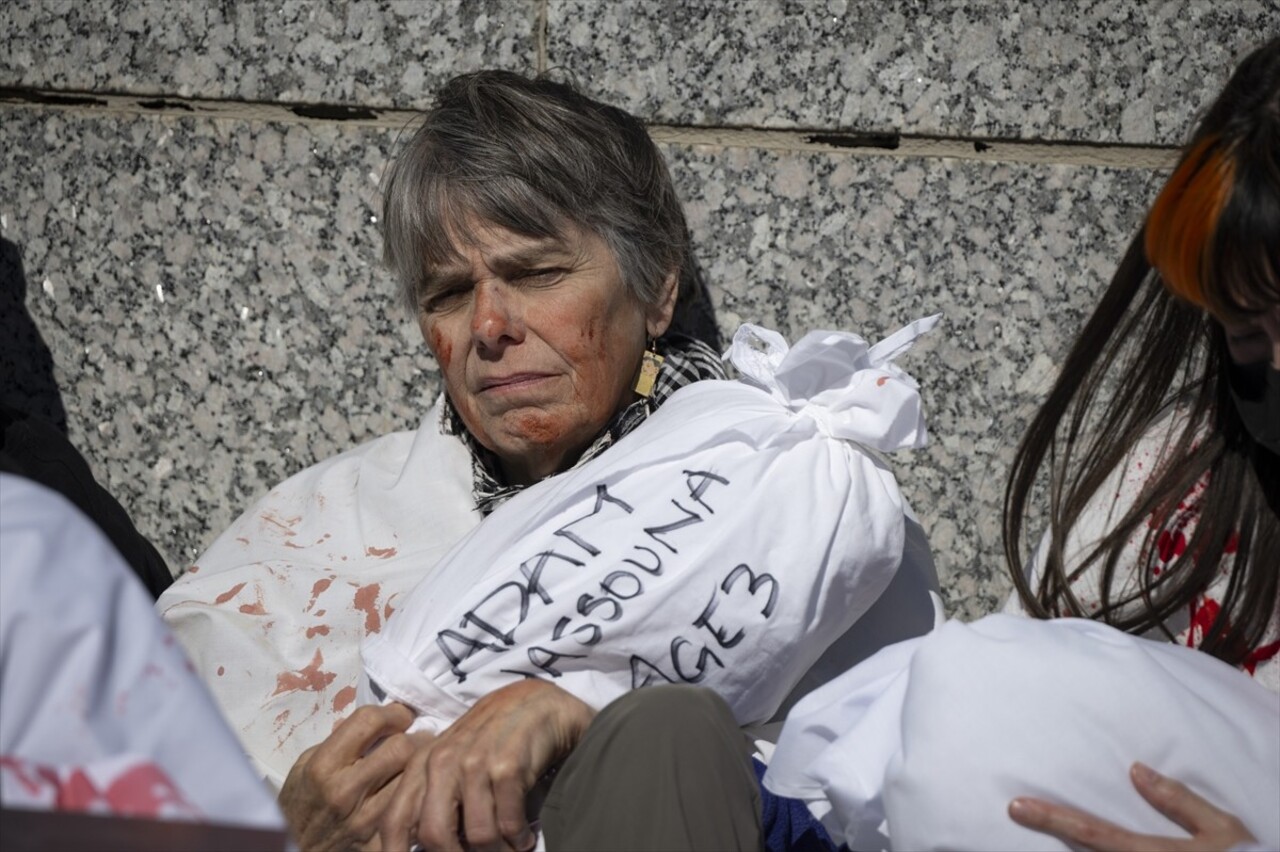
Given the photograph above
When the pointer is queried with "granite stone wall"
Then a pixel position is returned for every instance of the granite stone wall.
(189, 204)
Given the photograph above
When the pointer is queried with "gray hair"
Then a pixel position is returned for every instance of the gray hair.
(532, 156)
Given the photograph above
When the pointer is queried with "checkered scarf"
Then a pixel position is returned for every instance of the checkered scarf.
(687, 361)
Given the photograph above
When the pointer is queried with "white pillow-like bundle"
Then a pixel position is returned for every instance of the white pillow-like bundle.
(726, 542)
(100, 709)
(924, 745)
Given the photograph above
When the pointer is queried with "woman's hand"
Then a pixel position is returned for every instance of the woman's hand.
(337, 790)
(469, 785)
(1210, 828)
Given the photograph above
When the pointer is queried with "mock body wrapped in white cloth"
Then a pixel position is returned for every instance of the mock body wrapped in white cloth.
(727, 541)
(924, 745)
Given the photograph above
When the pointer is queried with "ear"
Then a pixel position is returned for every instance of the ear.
(658, 316)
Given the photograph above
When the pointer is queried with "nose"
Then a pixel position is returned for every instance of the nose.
(495, 318)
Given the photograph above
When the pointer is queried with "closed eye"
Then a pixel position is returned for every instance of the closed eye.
(541, 276)
(442, 298)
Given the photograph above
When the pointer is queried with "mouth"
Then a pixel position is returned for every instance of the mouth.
(514, 381)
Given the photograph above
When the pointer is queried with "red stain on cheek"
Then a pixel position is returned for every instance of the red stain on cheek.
(441, 346)
(344, 698)
(366, 601)
(229, 594)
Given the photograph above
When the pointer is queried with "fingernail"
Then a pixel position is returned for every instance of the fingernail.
(1021, 809)
(1144, 773)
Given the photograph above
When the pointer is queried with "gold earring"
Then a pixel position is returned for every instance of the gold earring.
(650, 364)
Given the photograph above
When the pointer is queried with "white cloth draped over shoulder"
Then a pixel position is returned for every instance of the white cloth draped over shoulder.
(728, 541)
(272, 615)
(924, 745)
(99, 711)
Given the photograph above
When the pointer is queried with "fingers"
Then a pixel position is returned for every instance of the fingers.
(334, 794)
(509, 794)
(1177, 802)
(1079, 828)
(353, 736)
(438, 818)
(398, 822)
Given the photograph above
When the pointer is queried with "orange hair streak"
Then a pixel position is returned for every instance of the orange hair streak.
(1182, 222)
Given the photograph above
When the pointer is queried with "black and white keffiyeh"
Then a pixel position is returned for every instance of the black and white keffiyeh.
(687, 361)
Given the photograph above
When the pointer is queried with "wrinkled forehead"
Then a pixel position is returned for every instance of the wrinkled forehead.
(462, 216)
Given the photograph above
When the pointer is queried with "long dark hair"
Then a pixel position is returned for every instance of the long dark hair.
(1211, 243)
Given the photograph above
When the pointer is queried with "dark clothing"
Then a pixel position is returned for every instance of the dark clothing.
(662, 768)
(34, 449)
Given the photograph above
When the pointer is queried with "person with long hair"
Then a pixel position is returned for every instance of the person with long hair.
(1159, 446)
(1161, 437)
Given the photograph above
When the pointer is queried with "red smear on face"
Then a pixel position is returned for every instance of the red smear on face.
(366, 600)
(344, 698)
(229, 594)
(318, 630)
(316, 590)
(537, 427)
(441, 346)
(380, 552)
(308, 679)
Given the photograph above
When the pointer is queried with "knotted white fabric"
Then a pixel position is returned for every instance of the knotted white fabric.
(725, 542)
(924, 745)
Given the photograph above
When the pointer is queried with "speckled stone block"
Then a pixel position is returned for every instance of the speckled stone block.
(217, 319)
(383, 53)
(1095, 70)
(1014, 258)
(213, 301)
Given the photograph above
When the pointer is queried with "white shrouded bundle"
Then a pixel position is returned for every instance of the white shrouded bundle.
(101, 712)
(924, 745)
(727, 542)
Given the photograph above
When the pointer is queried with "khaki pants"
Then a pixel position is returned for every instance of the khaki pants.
(662, 768)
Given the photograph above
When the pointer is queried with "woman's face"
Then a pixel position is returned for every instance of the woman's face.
(539, 343)
(1255, 340)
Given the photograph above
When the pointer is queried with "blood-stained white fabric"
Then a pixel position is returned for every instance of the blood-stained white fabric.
(924, 745)
(99, 709)
(1174, 528)
(272, 615)
(727, 541)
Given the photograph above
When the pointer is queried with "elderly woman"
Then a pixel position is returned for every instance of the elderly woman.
(543, 250)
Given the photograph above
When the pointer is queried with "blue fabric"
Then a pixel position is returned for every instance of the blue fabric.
(788, 824)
